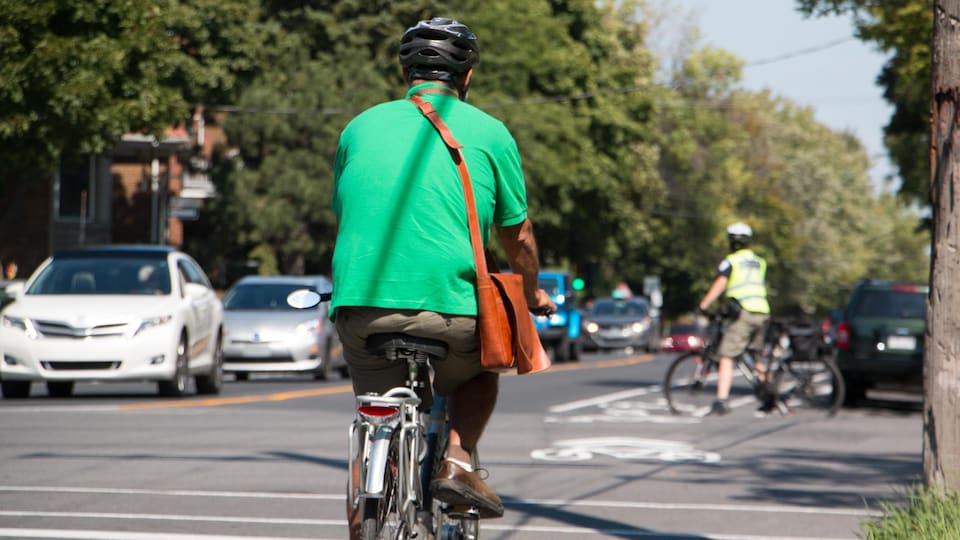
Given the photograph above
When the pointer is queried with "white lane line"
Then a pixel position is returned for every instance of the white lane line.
(62, 409)
(174, 492)
(69, 534)
(600, 400)
(774, 509)
(639, 505)
(174, 517)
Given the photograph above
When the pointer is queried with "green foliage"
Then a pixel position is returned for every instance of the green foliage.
(924, 515)
(77, 74)
(626, 176)
(731, 155)
(904, 30)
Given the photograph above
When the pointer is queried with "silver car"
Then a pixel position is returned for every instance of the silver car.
(265, 334)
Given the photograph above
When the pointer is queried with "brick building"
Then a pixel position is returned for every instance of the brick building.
(140, 193)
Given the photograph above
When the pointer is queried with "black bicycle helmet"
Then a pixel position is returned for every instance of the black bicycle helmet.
(439, 49)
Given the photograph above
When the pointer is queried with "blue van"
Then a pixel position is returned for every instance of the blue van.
(560, 333)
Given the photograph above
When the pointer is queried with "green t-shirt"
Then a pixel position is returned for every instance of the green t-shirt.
(403, 240)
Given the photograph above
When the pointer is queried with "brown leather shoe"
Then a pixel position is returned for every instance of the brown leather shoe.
(459, 487)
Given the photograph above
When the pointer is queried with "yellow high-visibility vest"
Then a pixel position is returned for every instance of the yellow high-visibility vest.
(747, 282)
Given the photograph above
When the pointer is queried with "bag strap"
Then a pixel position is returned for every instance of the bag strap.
(476, 241)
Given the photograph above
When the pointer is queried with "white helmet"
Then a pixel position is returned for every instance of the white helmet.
(739, 229)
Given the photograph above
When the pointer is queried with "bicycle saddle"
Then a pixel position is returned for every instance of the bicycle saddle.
(381, 343)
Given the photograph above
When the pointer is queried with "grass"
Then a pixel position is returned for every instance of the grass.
(923, 515)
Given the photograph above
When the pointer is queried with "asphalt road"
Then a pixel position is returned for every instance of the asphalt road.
(586, 450)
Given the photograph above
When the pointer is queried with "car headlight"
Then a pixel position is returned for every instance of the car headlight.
(152, 322)
(313, 326)
(24, 325)
(592, 327)
(638, 327)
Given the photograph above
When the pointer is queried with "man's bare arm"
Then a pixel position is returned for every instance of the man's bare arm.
(521, 247)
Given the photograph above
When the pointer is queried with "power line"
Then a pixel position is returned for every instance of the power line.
(801, 52)
(543, 99)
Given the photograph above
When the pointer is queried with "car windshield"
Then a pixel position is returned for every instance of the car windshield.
(261, 296)
(685, 329)
(619, 307)
(550, 285)
(103, 276)
(892, 305)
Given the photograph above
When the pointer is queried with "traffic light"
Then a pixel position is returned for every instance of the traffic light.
(578, 284)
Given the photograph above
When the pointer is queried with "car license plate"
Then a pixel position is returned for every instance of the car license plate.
(256, 352)
(902, 343)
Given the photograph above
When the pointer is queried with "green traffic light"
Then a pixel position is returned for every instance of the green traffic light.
(578, 284)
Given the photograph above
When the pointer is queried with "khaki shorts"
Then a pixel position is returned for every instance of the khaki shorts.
(372, 373)
(744, 332)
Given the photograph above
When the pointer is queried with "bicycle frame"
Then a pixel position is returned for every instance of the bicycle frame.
(378, 418)
(395, 444)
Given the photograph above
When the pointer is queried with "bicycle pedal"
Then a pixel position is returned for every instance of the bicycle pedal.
(462, 512)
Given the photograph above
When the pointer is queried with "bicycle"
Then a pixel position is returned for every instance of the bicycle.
(396, 442)
(784, 379)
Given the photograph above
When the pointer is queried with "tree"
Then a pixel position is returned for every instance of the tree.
(902, 29)
(728, 154)
(941, 432)
(75, 75)
(554, 72)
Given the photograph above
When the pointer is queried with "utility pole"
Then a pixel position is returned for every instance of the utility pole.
(941, 374)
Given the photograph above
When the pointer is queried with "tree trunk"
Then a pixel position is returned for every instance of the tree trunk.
(941, 418)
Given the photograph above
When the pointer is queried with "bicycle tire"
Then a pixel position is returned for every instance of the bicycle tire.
(447, 523)
(690, 385)
(380, 518)
(815, 384)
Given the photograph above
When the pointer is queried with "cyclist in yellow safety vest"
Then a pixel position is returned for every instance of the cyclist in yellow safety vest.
(741, 280)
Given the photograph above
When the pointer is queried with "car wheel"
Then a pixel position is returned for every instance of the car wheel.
(177, 386)
(60, 388)
(323, 372)
(212, 383)
(15, 389)
(576, 350)
(856, 390)
(561, 351)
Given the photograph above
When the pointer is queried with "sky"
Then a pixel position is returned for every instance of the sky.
(837, 78)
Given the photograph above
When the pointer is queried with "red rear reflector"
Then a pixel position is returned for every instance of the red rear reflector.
(905, 288)
(374, 410)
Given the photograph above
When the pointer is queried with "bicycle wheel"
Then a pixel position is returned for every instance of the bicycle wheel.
(815, 384)
(690, 386)
(380, 517)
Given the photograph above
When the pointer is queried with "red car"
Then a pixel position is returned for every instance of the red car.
(683, 337)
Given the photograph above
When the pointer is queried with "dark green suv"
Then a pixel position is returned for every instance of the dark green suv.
(879, 340)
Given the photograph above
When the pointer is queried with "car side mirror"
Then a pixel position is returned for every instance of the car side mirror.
(15, 288)
(194, 289)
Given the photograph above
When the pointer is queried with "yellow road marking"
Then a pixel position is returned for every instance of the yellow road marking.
(284, 396)
(217, 402)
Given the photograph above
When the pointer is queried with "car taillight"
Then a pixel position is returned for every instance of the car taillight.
(843, 336)
(905, 288)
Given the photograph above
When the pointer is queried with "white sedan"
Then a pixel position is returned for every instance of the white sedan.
(113, 313)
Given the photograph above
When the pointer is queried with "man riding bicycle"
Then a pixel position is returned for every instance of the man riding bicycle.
(403, 260)
(741, 280)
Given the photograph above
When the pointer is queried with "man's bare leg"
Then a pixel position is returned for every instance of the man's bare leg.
(724, 378)
(470, 408)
